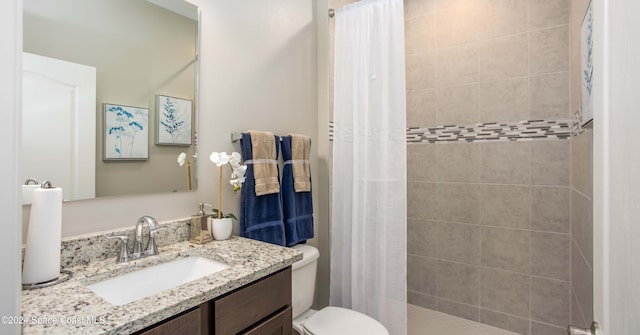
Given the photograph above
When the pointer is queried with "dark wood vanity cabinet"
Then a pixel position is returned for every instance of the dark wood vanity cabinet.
(260, 308)
(195, 321)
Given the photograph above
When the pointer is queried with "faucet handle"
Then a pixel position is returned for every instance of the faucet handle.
(124, 254)
(153, 247)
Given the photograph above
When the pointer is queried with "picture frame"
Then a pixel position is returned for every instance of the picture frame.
(126, 132)
(174, 120)
(587, 70)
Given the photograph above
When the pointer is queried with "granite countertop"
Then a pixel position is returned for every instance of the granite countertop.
(71, 308)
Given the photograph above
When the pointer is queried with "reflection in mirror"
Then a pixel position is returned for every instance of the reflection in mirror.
(82, 55)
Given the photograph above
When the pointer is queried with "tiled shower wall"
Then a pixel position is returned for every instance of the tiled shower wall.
(489, 221)
(581, 191)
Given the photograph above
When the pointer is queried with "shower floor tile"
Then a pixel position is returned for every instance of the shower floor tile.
(422, 321)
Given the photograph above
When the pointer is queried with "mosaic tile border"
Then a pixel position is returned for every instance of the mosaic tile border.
(492, 131)
(489, 131)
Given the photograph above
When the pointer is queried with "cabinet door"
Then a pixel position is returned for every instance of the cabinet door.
(189, 323)
(245, 307)
(278, 324)
(193, 322)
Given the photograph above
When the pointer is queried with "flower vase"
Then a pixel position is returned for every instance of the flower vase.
(221, 228)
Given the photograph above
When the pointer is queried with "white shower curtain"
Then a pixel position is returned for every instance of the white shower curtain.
(368, 234)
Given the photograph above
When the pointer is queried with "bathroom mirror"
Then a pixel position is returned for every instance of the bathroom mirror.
(108, 85)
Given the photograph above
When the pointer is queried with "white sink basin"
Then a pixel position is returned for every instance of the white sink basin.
(155, 279)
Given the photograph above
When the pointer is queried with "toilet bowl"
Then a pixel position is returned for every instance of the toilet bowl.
(329, 320)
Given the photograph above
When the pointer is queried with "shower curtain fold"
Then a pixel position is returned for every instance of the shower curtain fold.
(368, 229)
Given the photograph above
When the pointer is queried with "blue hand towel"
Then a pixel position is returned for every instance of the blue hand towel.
(260, 216)
(298, 206)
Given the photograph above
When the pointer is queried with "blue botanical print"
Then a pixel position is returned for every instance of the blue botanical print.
(125, 124)
(170, 121)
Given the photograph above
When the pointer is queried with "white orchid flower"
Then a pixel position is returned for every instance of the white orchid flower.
(240, 170)
(236, 182)
(219, 158)
(235, 159)
(182, 158)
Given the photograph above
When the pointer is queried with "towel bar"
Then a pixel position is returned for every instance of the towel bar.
(236, 136)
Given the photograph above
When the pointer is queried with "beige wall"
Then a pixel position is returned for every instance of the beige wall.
(139, 50)
(260, 71)
(581, 190)
(489, 222)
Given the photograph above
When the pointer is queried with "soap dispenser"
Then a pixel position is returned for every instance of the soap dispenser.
(199, 232)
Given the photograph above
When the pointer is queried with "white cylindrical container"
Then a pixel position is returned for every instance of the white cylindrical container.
(27, 193)
(44, 236)
(220, 228)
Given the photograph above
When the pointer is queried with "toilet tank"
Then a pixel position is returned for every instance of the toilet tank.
(303, 279)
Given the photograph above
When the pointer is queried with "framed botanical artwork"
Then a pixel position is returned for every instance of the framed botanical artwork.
(126, 132)
(173, 121)
(586, 74)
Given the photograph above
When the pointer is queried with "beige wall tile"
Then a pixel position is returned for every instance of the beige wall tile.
(582, 224)
(458, 282)
(550, 96)
(549, 50)
(458, 162)
(504, 291)
(457, 26)
(550, 256)
(550, 209)
(581, 163)
(419, 34)
(421, 108)
(548, 13)
(505, 162)
(504, 100)
(457, 105)
(422, 237)
(505, 249)
(460, 310)
(422, 300)
(503, 57)
(576, 315)
(413, 8)
(421, 200)
(458, 65)
(550, 301)
(421, 274)
(421, 162)
(505, 205)
(538, 328)
(458, 203)
(421, 71)
(550, 162)
(582, 283)
(577, 318)
(505, 321)
(500, 18)
(442, 5)
(459, 242)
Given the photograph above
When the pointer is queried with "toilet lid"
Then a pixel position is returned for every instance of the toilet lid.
(342, 321)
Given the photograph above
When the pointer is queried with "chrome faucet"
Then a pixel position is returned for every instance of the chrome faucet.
(150, 249)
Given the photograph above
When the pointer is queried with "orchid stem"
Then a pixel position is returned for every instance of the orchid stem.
(220, 195)
(189, 175)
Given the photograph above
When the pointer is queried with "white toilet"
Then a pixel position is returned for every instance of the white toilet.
(329, 320)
